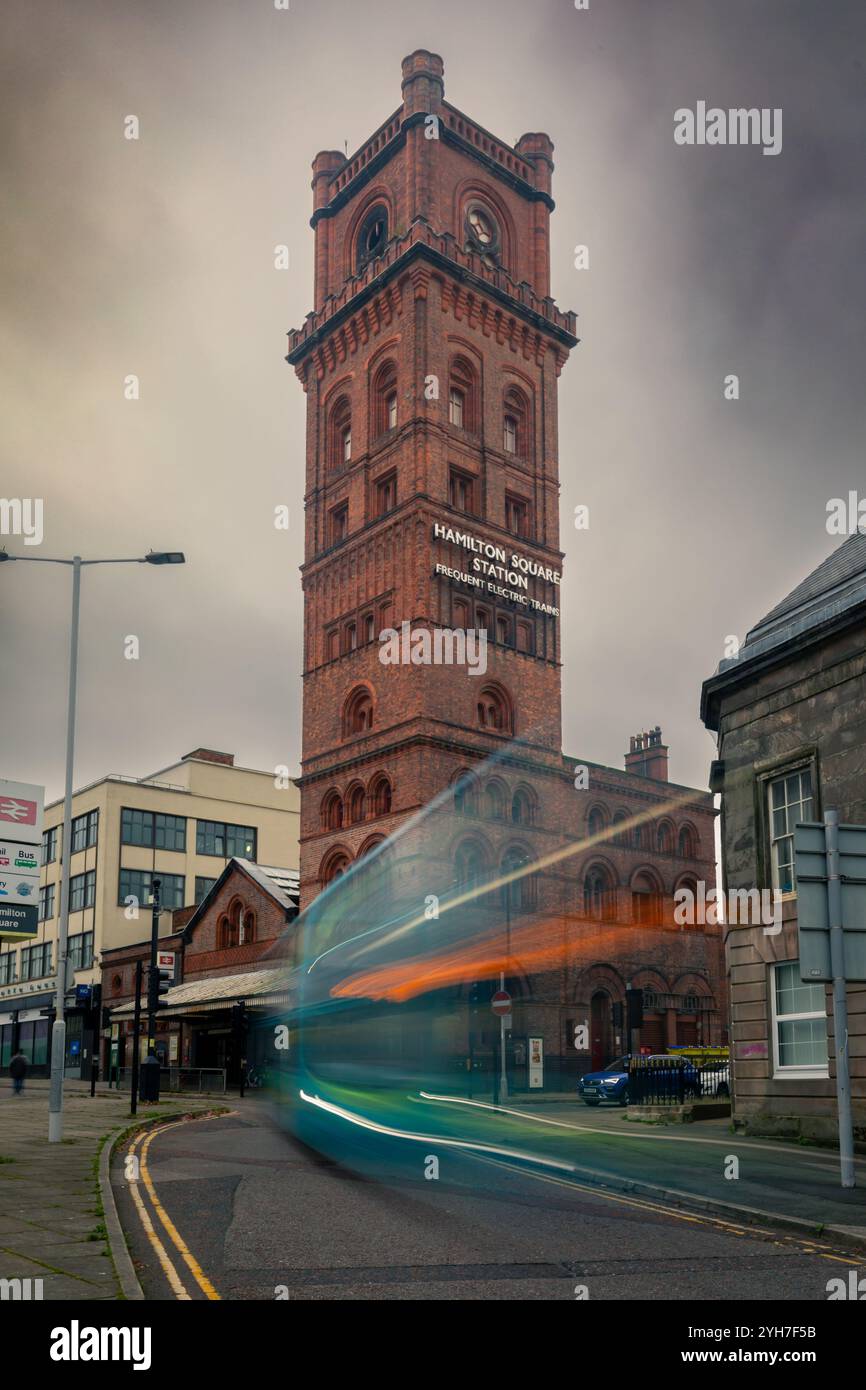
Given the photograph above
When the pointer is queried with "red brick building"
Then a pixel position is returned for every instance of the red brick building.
(430, 364)
(233, 946)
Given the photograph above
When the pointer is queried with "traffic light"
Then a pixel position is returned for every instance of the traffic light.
(160, 979)
(634, 1007)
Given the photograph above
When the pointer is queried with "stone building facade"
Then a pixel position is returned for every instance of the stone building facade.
(790, 716)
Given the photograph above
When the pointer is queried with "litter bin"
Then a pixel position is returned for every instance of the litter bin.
(148, 1087)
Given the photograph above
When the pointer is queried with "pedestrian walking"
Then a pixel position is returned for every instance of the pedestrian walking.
(18, 1071)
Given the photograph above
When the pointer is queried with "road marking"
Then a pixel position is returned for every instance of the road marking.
(168, 1267)
(741, 1140)
(730, 1228)
(195, 1268)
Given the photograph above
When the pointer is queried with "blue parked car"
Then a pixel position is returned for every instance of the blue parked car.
(612, 1083)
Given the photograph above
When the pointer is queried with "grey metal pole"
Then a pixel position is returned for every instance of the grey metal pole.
(840, 999)
(58, 1032)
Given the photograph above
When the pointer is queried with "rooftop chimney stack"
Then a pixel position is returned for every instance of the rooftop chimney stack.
(648, 756)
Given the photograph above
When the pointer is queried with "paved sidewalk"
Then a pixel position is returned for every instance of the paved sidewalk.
(51, 1217)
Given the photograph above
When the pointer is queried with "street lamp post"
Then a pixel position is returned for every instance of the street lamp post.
(58, 1031)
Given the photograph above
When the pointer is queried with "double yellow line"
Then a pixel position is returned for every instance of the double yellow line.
(168, 1267)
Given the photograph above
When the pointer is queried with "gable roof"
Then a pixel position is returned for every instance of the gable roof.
(826, 598)
(282, 885)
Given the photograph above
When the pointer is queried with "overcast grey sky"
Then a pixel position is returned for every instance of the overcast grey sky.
(155, 257)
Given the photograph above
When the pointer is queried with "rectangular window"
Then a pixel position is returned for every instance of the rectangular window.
(152, 829)
(517, 516)
(369, 627)
(202, 888)
(455, 407)
(84, 831)
(391, 410)
(80, 950)
(790, 801)
(386, 494)
(136, 883)
(460, 491)
(509, 435)
(82, 891)
(524, 637)
(799, 1024)
(225, 841)
(8, 967)
(338, 524)
(36, 961)
(333, 643)
(49, 845)
(347, 445)
(46, 902)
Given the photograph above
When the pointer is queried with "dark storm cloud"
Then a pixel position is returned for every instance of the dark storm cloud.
(156, 258)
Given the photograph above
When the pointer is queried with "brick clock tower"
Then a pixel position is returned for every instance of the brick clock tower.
(430, 366)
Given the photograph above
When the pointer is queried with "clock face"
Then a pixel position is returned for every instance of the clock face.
(482, 227)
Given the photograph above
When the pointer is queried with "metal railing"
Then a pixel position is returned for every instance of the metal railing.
(676, 1081)
(202, 1080)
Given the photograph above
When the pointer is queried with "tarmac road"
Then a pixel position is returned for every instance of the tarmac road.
(257, 1215)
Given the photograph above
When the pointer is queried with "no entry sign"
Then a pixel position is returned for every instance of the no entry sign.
(501, 1003)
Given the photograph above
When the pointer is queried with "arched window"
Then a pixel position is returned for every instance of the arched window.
(664, 839)
(515, 423)
(687, 843)
(247, 928)
(334, 865)
(620, 836)
(340, 435)
(492, 711)
(469, 865)
(358, 712)
(646, 900)
(372, 236)
(227, 933)
(462, 396)
(332, 811)
(466, 795)
(503, 630)
(385, 399)
(637, 837)
(523, 807)
(599, 894)
(380, 796)
(519, 892)
(356, 804)
(494, 801)
(596, 822)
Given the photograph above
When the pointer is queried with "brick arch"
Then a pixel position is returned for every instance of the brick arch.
(495, 788)
(687, 827)
(647, 978)
(493, 692)
(337, 854)
(648, 871)
(379, 193)
(380, 790)
(598, 808)
(351, 706)
(328, 811)
(355, 798)
(594, 978)
(692, 983)
(471, 189)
